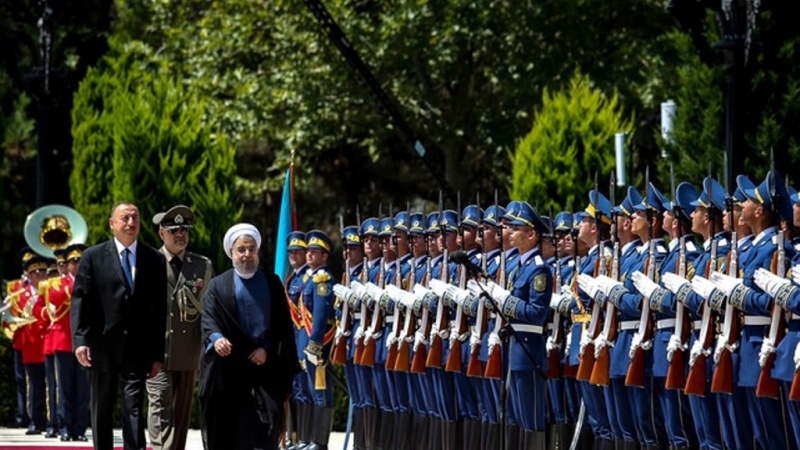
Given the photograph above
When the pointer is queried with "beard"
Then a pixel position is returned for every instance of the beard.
(245, 269)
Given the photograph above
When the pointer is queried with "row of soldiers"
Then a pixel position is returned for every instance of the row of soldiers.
(651, 323)
(52, 390)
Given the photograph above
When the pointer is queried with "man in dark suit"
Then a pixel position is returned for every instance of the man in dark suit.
(118, 322)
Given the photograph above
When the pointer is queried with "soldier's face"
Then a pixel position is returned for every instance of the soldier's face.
(37, 276)
(433, 246)
(750, 210)
(586, 230)
(245, 254)
(470, 237)
(670, 224)
(417, 244)
(316, 257)
(354, 253)
(450, 241)
(175, 239)
(565, 243)
(372, 247)
(699, 217)
(796, 214)
(297, 258)
(402, 243)
(72, 266)
(124, 222)
(639, 224)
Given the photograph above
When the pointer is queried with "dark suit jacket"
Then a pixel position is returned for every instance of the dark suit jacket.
(235, 371)
(120, 326)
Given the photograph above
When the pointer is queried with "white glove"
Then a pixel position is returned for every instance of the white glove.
(769, 282)
(767, 348)
(796, 274)
(550, 344)
(585, 340)
(373, 293)
(394, 292)
(673, 282)
(420, 291)
(644, 285)
(636, 342)
(702, 286)
(724, 283)
(694, 353)
(474, 288)
(438, 287)
(720, 347)
(589, 285)
(342, 292)
(797, 354)
(407, 299)
(607, 283)
(600, 341)
(674, 345)
(391, 339)
(456, 295)
(419, 339)
(555, 302)
(494, 339)
(497, 293)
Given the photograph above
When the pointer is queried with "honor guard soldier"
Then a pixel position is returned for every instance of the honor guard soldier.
(318, 316)
(766, 204)
(593, 232)
(295, 285)
(170, 392)
(73, 384)
(54, 271)
(682, 251)
(526, 306)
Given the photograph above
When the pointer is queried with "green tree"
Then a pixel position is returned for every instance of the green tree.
(140, 136)
(572, 138)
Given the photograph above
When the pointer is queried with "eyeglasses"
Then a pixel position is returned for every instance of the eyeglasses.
(38, 271)
(178, 230)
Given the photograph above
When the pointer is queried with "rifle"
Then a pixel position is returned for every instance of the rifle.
(494, 361)
(768, 386)
(636, 370)
(475, 366)
(722, 379)
(420, 353)
(460, 326)
(440, 325)
(600, 371)
(343, 328)
(376, 322)
(358, 355)
(676, 373)
(556, 332)
(402, 360)
(391, 355)
(595, 322)
(571, 371)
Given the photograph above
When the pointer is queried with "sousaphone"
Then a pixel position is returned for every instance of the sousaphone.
(53, 227)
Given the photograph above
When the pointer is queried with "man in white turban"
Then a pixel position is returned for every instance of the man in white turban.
(250, 357)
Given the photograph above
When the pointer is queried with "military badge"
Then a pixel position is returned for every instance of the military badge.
(322, 289)
(539, 283)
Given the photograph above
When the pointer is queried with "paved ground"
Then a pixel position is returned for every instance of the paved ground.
(15, 438)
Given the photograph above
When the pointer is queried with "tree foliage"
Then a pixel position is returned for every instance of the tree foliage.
(139, 136)
(571, 140)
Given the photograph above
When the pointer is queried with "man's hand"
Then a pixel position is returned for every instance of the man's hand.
(258, 356)
(84, 356)
(223, 346)
(154, 369)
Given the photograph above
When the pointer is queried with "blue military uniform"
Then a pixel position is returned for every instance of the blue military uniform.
(318, 315)
(301, 392)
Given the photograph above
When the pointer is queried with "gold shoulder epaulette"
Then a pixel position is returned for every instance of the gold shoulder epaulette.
(44, 285)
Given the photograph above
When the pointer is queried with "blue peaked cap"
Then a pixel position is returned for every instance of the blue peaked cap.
(563, 221)
(685, 197)
(296, 240)
(402, 221)
(525, 215)
(471, 216)
(761, 194)
(432, 223)
(417, 221)
(370, 227)
(628, 205)
(713, 195)
(351, 237)
(450, 220)
(386, 227)
(492, 214)
(654, 200)
(598, 203)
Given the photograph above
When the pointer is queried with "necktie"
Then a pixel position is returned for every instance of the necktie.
(126, 267)
(176, 265)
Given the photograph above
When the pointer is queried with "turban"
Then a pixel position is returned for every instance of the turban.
(237, 231)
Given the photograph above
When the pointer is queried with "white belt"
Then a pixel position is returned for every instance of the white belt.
(697, 324)
(525, 328)
(549, 326)
(665, 323)
(794, 316)
(756, 320)
(390, 319)
(629, 324)
(357, 316)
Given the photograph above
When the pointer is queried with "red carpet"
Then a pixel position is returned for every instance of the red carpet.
(82, 445)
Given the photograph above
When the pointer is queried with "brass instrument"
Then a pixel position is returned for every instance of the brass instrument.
(11, 322)
(53, 227)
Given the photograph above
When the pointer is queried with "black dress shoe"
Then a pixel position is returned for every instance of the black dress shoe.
(80, 438)
(65, 438)
(33, 430)
(51, 434)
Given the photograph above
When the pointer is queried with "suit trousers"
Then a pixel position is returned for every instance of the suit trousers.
(104, 385)
(169, 396)
(73, 392)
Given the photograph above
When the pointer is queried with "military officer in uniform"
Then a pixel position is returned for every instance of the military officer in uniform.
(526, 306)
(318, 316)
(170, 392)
(33, 341)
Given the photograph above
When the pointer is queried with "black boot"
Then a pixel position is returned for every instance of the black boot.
(385, 426)
(420, 427)
(473, 433)
(512, 437)
(402, 432)
(451, 435)
(533, 440)
(370, 427)
(630, 445)
(603, 444)
(323, 419)
(435, 436)
(490, 435)
(559, 438)
(357, 429)
(303, 427)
